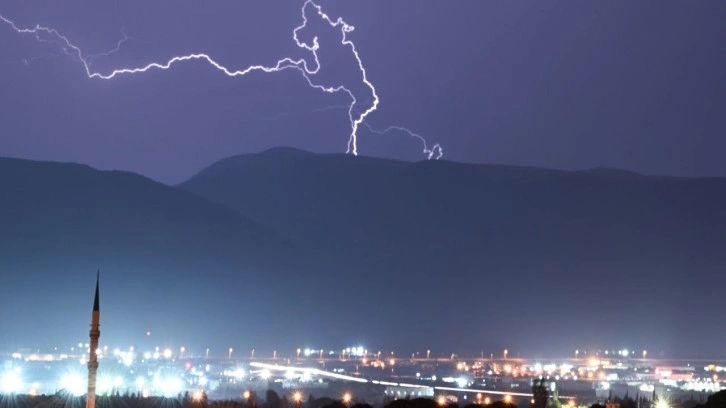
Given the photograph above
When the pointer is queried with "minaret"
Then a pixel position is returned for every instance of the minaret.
(92, 356)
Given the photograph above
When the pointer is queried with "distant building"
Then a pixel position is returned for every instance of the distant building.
(409, 392)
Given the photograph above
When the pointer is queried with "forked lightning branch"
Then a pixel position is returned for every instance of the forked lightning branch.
(357, 112)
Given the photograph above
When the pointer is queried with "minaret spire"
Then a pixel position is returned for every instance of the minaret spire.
(95, 301)
(92, 356)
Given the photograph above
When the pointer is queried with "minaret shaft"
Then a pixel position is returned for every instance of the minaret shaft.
(95, 333)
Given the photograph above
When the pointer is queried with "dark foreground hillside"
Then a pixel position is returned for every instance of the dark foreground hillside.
(287, 249)
(199, 400)
(614, 256)
(166, 256)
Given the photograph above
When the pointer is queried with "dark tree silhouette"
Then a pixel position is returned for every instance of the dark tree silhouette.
(540, 394)
(272, 399)
(717, 400)
(501, 404)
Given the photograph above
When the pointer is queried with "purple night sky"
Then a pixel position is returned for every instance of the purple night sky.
(570, 84)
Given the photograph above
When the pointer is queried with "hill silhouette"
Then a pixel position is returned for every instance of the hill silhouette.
(166, 256)
(495, 243)
(288, 248)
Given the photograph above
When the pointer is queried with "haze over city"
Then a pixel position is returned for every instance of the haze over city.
(490, 184)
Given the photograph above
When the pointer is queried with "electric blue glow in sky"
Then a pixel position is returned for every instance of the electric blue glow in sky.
(357, 112)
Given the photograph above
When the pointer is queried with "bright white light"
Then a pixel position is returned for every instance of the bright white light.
(127, 358)
(11, 383)
(170, 387)
(167, 354)
(461, 382)
(140, 382)
(198, 395)
(118, 382)
(304, 370)
(147, 355)
(105, 384)
(647, 387)
(74, 384)
(265, 374)
(662, 404)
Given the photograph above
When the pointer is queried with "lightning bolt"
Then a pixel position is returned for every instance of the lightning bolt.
(108, 53)
(357, 117)
(435, 152)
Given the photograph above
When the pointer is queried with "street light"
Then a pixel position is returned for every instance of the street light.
(297, 397)
(441, 400)
(505, 353)
(197, 396)
(347, 398)
(662, 403)
(229, 354)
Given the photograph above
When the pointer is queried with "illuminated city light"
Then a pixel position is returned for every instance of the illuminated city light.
(105, 384)
(297, 397)
(312, 371)
(170, 387)
(11, 382)
(662, 403)
(73, 383)
(198, 396)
